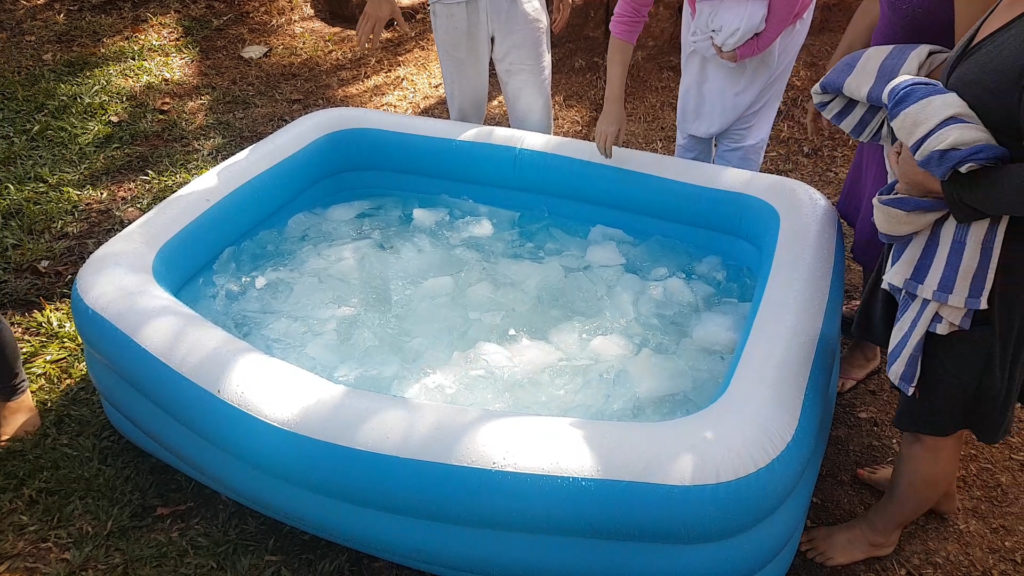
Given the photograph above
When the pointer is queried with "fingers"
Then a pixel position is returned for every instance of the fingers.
(561, 17)
(601, 140)
(402, 24)
(378, 31)
(604, 142)
(361, 30)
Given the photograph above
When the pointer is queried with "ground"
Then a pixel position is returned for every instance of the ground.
(108, 106)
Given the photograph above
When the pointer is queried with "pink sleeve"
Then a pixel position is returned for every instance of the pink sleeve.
(781, 15)
(629, 19)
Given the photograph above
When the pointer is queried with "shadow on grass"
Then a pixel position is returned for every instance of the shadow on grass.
(78, 498)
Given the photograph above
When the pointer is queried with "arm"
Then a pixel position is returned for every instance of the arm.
(856, 37)
(628, 20)
(612, 123)
(781, 15)
(981, 193)
(858, 32)
(986, 192)
(989, 191)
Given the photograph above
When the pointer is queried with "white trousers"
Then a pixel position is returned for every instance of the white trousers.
(743, 142)
(515, 34)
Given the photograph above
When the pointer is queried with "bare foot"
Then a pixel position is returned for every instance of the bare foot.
(18, 418)
(846, 543)
(859, 361)
(880, 476)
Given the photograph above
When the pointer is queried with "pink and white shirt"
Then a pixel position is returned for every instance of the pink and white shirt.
(631, 15)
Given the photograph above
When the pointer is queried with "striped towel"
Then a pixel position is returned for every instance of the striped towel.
(939, 270)
(850, 94)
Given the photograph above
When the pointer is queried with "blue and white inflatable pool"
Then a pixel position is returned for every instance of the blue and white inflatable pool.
(457, 490)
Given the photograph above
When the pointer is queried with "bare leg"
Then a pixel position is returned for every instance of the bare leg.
(18, 414)
(18, 417)
(925, 468)
(859, 360)
(880, 477)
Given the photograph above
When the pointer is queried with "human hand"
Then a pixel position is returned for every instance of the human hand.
(374, 18)
(560, 10)
(816, 123)
(729, 56)
(611, 127)
(912, 180)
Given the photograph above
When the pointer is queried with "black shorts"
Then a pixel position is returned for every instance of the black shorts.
(969, 380)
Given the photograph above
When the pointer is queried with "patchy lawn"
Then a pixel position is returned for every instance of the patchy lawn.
(108, 106)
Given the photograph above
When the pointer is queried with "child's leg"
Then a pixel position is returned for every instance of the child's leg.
(13, 383)
(743, 144)
(18, 414)
(694, 147)
(688, 145)
(522, 59)
(464, 48)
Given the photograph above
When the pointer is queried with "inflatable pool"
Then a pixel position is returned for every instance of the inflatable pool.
(458, 490)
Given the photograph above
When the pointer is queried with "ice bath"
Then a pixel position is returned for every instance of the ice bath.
(356, 399)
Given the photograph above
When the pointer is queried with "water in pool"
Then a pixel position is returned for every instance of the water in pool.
(447, 300)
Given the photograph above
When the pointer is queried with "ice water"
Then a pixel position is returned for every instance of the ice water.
(445, 300)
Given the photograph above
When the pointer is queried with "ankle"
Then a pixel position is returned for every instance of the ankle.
(878, 531)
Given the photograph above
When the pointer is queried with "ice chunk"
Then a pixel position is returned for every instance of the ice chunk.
(600, 234)
(428, 217)
(436, 287)
(659, 273)
(652, 375)
(717, 331)
(604, 254)
(711, 268)
(471, 227)
(348, 210)
(532, 356)
(611, 346)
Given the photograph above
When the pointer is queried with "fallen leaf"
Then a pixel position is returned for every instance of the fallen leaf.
(131, 214)
(255, 51)
(163, 104)
(165, 510)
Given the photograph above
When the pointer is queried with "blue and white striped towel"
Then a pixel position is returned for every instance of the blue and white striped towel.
(850, 94)
(940, 270)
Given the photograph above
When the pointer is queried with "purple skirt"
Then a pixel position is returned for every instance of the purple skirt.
(899, 22)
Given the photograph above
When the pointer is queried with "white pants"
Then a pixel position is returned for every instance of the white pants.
(742, 144)
(515, 34)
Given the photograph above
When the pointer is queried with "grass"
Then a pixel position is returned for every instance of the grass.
(108, 106)
(101, 118)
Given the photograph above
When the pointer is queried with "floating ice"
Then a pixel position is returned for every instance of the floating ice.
(604, 254)
(428, 217)
(479, 306)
